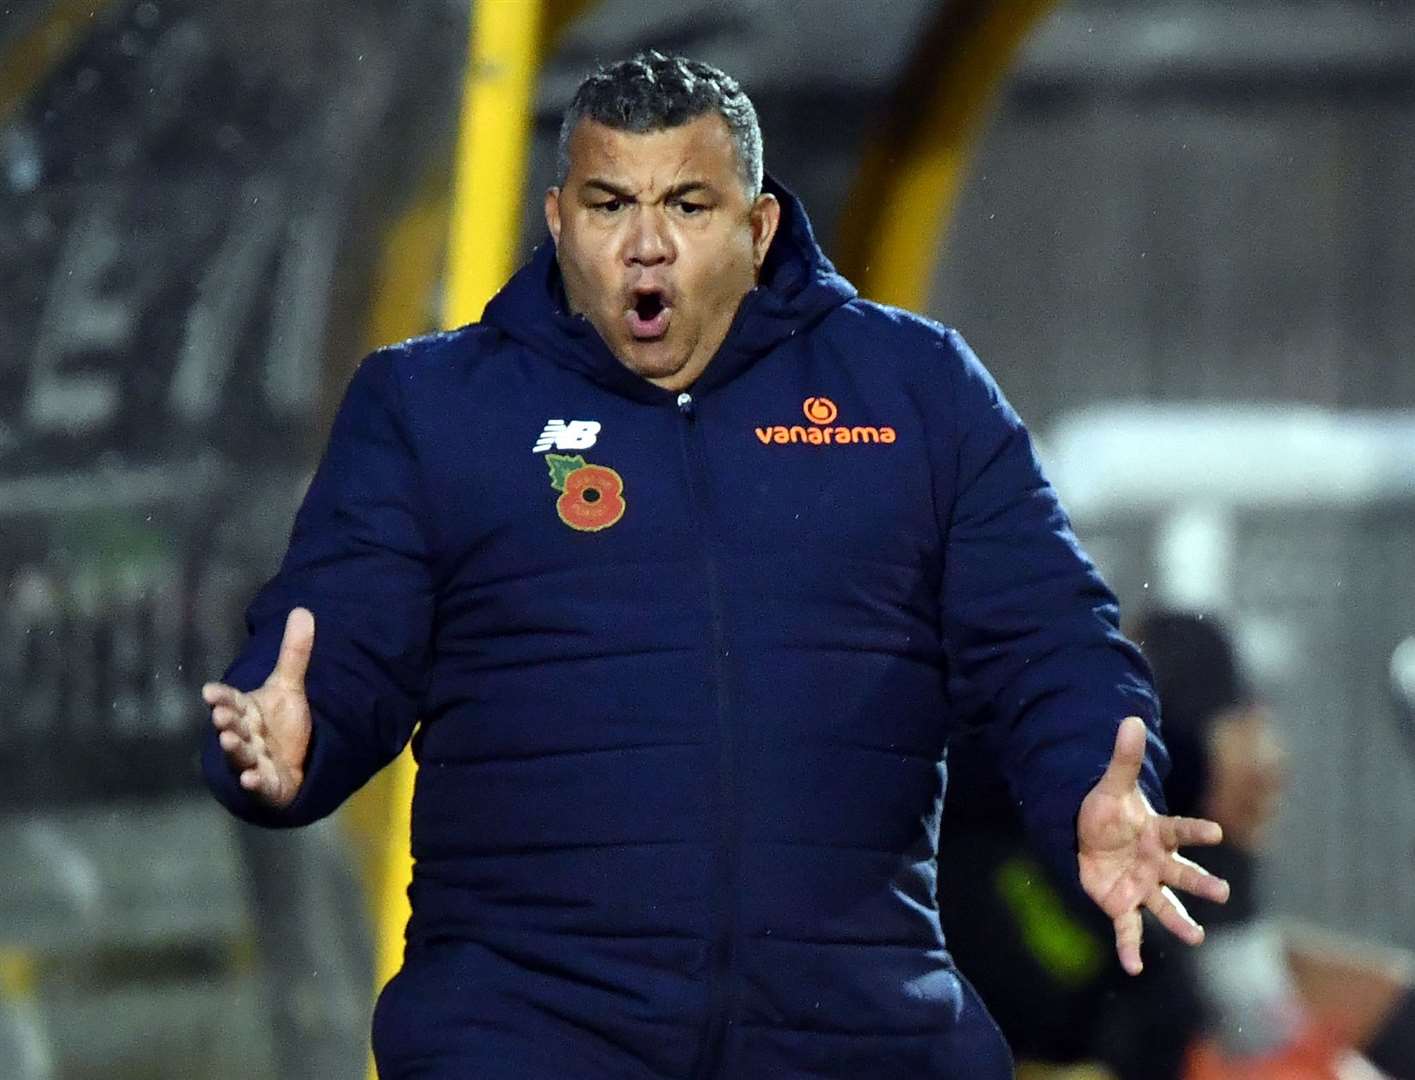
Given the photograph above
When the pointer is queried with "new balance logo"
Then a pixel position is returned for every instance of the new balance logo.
(560, 435)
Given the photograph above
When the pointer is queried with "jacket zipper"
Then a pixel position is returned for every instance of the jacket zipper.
(722, 992)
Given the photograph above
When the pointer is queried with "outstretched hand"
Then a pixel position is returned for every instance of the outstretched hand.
(265, 733)
(1129, 855)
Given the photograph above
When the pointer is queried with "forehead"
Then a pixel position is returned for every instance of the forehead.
(703, 147)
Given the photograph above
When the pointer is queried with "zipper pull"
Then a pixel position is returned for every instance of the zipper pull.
(685, 404)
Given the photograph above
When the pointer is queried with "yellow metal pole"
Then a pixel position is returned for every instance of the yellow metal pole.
(491, 165)
(911, 176)
(482, 250)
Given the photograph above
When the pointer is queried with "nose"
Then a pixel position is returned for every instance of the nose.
(648, 243)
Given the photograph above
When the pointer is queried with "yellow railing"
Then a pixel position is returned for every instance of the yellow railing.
(911, 174)
(482, 250)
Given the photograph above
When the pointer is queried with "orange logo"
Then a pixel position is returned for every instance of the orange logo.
(591, 496)
(824, 430)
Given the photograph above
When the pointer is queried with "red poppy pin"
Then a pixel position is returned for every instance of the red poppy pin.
(591, 496)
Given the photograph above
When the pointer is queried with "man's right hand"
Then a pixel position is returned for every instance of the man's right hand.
(265, 733)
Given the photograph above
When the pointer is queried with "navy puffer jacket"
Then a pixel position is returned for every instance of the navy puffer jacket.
(686, 668)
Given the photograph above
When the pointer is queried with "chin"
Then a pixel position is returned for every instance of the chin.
(653, 360)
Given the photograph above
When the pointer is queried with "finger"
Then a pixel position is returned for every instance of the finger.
(1128, 931)
(240, 752)
(1174, 917)
(266, 782)
(228, 719)
(244, 719)
(1126, 759)
(214, 693)
(260, 779)
(1184, 874)
(295, 649)
(1177, 832)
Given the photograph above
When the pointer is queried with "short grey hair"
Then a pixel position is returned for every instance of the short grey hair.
(651, 92)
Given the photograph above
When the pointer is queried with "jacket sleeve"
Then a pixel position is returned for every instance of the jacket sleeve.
(359, 560)
(1030, 628)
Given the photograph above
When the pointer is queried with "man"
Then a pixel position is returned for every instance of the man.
(678, 557)
(1264, 998)
(1279, 998)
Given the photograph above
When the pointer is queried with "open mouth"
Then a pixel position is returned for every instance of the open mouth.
(649, 315)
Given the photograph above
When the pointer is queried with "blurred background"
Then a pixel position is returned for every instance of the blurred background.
(1181, 234)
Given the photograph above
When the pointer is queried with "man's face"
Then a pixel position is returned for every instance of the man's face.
(1247, 773)
(658, 242)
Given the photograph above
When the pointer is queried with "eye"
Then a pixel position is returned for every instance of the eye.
(609, 206)
(690, 208)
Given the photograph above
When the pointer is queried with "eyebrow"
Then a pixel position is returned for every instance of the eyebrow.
(677, 191)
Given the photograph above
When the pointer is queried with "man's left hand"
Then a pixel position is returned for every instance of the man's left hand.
(1129, 854)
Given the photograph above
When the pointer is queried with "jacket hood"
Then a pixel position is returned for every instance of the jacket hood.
(797, 288)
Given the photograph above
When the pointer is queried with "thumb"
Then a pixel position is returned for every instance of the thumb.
(295, 649)
(1126, 759)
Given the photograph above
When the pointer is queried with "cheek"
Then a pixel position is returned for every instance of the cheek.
(1271, 779)
(723, 274)
(586, 272)
(1229, 779)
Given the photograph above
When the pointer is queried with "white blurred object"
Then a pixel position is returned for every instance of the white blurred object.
(1402, 684)
(1139, 458)
(1402, 674)
(24, 1043)
(1194, 558)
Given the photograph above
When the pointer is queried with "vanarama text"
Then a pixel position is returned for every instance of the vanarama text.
(824, 436)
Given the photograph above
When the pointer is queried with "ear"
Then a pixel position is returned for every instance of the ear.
(552, 213)
(765, 217)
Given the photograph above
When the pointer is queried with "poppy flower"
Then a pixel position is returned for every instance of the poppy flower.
(593, 498)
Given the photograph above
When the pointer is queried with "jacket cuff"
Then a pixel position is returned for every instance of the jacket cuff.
(225, 783)
(1052, 820)
(322, 758)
